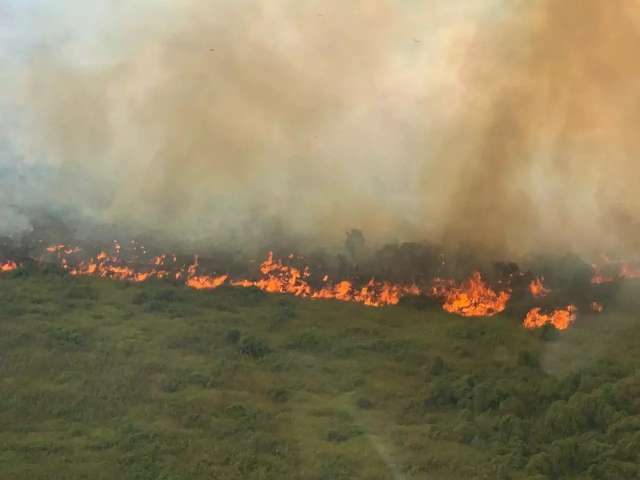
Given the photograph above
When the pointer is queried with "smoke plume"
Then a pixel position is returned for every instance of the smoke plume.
(508, 126)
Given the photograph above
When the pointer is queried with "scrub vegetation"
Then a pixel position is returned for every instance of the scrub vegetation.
(106, 380)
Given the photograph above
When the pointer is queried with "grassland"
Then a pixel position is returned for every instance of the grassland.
(107, 380)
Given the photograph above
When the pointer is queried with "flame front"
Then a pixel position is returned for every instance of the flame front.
(277, 277)
(474, 298)
(537, 288)
(8, 266)
(560, 318)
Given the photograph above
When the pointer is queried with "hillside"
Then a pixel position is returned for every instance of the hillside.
(106, 380)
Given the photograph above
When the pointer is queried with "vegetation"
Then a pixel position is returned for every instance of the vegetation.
(107, 380)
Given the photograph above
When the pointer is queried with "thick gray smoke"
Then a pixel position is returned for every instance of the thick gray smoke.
(506, 125)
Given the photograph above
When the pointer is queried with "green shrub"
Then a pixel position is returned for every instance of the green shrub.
(168, 295)
(527, 359)
(364, 403)
(278, 395)
(82, 292)
(63, 337)
(254, 347)
(140, 298)
(232, 336)
(437, 366)
(310, 342)
(344, 433)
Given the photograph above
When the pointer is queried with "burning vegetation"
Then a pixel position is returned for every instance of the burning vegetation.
(561, 318)
(537, 288)
(309, 278)
(474, 298)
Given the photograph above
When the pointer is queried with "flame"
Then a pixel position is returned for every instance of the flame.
(560, 318)
(107, 266)
(625, 270)
(8, 266)
(628, 270)
(473, 298)
(598, 277)
(537, 288)
(202, 282)
(276, 276)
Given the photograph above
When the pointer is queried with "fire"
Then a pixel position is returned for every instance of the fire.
(373, 294)
(8, 266)
(560, 318)
(278, 277)
(107, 266)
(537, 288)
(628, 270)
(624, 270)
(597, 307)
(474, 298)
(202, 282)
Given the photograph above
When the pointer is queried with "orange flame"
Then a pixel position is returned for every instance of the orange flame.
(474, 298)
(598, 277)
(277, 277)
(537, 288)
(629, 271)
(560, 318)
(597, 307)
(206, 282)
(625, 270)
(8, 266)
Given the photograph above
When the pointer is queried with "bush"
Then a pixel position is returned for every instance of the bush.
(527, 359)
(549, 333)
(364, 403)
(232, 336)
(344, 433)
(440, 394)
(485, 397)
(254, 347)
(437, 367)
(310, 342)
(279, 395)
(82, 292)
(168, 295)
(140, 297)
(63, 337)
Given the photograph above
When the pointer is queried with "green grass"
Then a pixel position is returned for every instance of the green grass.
(105, 380)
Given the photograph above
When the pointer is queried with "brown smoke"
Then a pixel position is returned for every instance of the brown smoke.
(544, 140)
(510, 127)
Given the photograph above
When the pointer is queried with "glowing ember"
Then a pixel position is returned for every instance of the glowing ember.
(597, 307)
(474, 298)
(537, 288)
(8, 266)
(561, 318)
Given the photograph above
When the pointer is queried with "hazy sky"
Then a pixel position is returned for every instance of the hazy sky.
(485, 121)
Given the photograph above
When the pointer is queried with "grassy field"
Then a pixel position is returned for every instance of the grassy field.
(106, 380)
